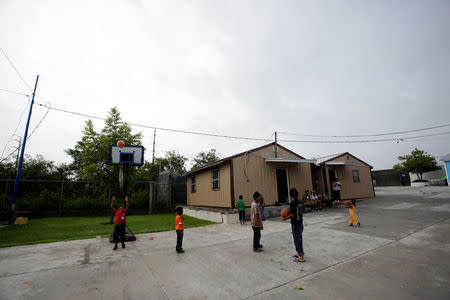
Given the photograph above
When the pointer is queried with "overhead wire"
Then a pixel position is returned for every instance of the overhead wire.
(48, 105)
(28, 102)
(158, 128)
(14, 92)
(15, 69)
(367, 135)
(398, 139)
(17, 127)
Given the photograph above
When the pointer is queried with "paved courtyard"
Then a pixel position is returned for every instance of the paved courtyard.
(401, 251)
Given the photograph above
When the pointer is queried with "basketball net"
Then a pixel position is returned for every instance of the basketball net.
(121, 177)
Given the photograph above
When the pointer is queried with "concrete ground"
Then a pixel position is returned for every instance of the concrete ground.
(401, 251)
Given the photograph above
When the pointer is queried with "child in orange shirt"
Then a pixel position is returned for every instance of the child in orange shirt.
(179, 227)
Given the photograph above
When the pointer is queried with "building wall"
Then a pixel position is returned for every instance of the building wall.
(252, 173)
(205, 195)
(351, 190)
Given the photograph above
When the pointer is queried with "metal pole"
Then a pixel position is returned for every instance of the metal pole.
(22, 152)
(154, 138)
(125, 186)
(275, 146)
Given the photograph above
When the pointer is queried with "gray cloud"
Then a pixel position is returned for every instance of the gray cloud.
(235, 68)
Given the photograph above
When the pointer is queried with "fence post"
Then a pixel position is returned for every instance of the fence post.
(150, 197)
(61, 198)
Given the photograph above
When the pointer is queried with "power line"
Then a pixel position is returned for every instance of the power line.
(47, 104)
(400, 139)
(17, 127)
(159, 128)
(14, 92)
(367, 135)
(15, 69)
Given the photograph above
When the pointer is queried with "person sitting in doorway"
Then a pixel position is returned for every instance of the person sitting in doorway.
(316, 202)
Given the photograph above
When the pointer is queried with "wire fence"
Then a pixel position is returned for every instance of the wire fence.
(42, 198)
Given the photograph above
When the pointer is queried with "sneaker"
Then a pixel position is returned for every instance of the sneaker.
(180, 251)
(257, 250)
(260, 246)
(115, 247)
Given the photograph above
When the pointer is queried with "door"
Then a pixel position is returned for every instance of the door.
(283, 185)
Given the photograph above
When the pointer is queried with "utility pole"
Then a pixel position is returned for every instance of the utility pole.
(275, 147)
(22, 152)
(154, 137)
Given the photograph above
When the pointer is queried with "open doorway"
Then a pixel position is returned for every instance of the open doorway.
(332, 174)
(283, 185)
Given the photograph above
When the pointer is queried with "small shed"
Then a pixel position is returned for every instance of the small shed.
(354, 174)
(270, 169)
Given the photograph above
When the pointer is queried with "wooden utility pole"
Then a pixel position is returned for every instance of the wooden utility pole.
(275, 147)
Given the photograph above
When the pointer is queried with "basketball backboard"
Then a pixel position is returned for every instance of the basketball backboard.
(128, 155)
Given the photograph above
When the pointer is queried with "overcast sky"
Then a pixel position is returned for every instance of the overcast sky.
(244, 68)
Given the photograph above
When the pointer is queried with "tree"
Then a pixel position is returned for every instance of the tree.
(205, 158)
(418, 162)
(91, 154)
(172, 162)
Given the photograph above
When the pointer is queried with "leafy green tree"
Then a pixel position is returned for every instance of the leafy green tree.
(148, 172)
(173, 162)
(205, 158)
(91, 154)
(418, 162)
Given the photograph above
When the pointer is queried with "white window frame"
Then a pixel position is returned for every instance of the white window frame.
(353, 175)
(193, 184)
(215, 179)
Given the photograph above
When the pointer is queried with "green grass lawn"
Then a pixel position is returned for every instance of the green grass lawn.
(47, 230)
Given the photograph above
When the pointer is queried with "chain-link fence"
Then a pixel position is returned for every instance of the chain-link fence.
(63, 198)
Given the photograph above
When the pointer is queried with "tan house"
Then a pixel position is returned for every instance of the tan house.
(272, 170)
(354, 174)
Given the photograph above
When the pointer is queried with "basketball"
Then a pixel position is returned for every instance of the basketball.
(120, 144)
(285, 212)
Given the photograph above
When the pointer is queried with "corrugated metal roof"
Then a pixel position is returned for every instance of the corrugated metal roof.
(322, 159)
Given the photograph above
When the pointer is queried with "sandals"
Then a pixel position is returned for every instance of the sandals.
(299, 259)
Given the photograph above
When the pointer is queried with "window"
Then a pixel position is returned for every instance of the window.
(215, 180)
(193, 184)
(355, 176)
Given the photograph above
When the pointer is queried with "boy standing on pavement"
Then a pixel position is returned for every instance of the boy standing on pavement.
(256, 222)
(241, 208)
(119, 227)
(179, 228)
(296, 216)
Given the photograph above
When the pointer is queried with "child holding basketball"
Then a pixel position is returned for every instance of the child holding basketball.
(119, 226)
(296, 216)
(179, 228)
(352, 212)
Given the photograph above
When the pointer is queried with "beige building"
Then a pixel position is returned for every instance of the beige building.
(354, 174)
(271, 170)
